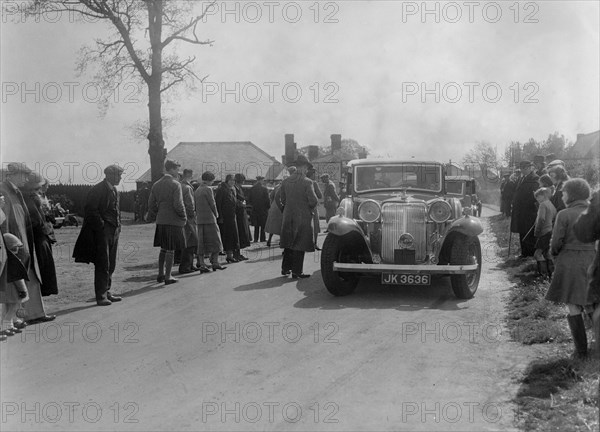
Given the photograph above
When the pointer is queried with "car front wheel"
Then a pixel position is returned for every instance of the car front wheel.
(338, 284)
(465, 250)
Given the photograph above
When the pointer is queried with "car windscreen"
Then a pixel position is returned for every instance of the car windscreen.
(454, 187)
(418, 176)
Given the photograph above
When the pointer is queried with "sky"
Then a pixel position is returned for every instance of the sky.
(405, 79)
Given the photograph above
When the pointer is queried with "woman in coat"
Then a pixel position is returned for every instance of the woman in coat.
(165, 206)
(226, 209)
(209, 240)
(572, 258)
(587, 229)
(18, 223)
(241, 217)
(43, 234)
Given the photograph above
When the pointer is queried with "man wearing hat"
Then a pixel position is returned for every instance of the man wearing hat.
(331, 199)
(540, 165)
(258, 198)
(99, 237)
(524, 210)
(298, 200)
(18, 223)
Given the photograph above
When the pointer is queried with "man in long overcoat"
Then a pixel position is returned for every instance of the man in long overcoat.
(18, 223)
(524, 210)
(299, 200)
(258, 198)
(98, 240)
(191, 234)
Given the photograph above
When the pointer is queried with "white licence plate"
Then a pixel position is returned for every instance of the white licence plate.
(405, 279)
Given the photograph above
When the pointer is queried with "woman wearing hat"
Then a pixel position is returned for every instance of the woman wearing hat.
(18, 222)
(166, 207)
(43, 233)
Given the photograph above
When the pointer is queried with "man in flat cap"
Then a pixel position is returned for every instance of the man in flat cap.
(524, 209)
(331, 199)
(18, 223)
(298, 200)
(258, 198)
(99, 237)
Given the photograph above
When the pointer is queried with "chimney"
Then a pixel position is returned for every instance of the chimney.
(283, 159)
(290, 147)
(362, 154)
(313, 152)
(336, 143)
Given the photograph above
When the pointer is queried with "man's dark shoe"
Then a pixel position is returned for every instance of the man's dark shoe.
(204, 269)
(113, 298)
(186, 271)
(301, 276)
(171, 281)
(285, 272)
(216, 267)
(20, 324)
(103, 302)
(45, 318)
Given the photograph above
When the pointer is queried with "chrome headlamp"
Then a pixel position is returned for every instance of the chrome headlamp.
(369, 211)
(440, 211)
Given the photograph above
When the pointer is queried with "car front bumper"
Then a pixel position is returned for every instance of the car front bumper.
(405, 269)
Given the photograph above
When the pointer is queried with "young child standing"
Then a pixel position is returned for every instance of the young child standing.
(572, 257)
(543, 231)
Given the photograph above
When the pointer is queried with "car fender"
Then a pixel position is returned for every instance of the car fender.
(467, 225)
(340, 226)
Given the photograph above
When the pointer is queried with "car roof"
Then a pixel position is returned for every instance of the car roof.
(356, 162)
(460, 178)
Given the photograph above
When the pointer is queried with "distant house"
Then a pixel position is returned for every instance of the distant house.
(333, 164)
(222, 158)
(587, 145)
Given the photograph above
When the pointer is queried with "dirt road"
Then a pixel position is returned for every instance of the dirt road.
(247, 349)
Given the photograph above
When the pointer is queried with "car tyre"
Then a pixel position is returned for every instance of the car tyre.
(465, 250)
(338, 284)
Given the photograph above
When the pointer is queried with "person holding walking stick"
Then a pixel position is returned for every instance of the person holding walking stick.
(524, 211)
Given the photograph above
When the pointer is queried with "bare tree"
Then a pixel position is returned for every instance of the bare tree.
(483, 154)
(137, 49)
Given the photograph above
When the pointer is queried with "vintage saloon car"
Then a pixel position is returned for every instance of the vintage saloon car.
(398, 224)
(465, 189)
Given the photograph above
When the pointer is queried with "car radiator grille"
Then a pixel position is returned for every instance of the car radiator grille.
(400, 218)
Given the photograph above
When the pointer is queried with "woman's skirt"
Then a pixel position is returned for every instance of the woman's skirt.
(569, 281)
(169, 237)
(209, 239)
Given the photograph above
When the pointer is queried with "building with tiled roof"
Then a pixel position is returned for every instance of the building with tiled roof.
(587, 145)
(222, 158)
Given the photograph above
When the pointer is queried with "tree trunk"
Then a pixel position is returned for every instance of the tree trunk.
(156, 143)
